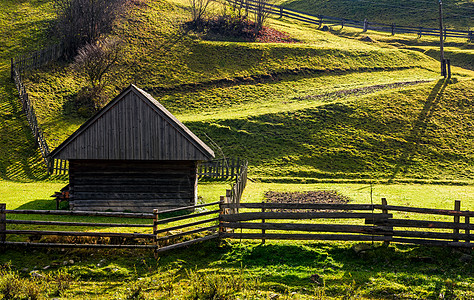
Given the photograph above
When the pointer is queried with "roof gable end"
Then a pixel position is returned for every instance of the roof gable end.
(133, 126)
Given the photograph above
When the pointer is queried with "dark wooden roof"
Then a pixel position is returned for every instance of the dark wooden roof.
(133, 126)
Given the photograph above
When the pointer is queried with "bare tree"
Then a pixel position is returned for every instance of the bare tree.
(198, 10)
(83, 21)
(261, 14)
(95, 61)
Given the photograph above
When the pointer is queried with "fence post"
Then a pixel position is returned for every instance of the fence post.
(467, 231)
(3, 224)
(281, 12)
(221, 213)
(366, 25)
(385, 211)
(342, 24)
(228, 195)
(263, 222)
(457, 207)
(420, 32)
(393, 29)
(12, 69)
(155, 228)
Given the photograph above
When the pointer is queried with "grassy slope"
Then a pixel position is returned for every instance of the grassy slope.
(400, 134)
(23, 28)
(269, 113)
(262, 100)
(457, 13)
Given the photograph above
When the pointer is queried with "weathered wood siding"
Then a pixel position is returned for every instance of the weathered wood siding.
(137, 186)
(134, 126)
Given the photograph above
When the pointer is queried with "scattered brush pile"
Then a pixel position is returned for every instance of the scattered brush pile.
(238, 29)
(323, 197)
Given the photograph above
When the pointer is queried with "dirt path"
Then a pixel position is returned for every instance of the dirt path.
(363, 90)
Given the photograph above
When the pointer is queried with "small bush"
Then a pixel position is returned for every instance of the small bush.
(12, 286)
(218, 286)
(226, 26)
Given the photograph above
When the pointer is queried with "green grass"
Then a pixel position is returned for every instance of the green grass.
(266, 98)
(23, 28)
(390, 135)
(252, 271)
(258, 106)
(248, 270)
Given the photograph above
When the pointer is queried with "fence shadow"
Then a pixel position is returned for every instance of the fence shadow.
(419, 127)
(39, 204)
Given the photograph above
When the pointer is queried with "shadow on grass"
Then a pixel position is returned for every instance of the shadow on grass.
(39, 205)
(19, 157)
(419, 127)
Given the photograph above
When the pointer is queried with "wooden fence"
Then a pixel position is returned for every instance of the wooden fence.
(279, 11)
(377, 226)
(171, 240)
(227, 222)
(223, 168)
(162, 238)
(19, 228)
(37, 59)
(29, 111)
(58, 166)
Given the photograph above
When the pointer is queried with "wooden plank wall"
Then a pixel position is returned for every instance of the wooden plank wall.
(131, 129)
(137, 186)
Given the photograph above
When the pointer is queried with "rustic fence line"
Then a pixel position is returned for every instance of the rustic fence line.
(279, 11)
(19, 65)
(37, 59)
(215, 230)
(377, 226)
(29, 111)
(151, 240)
(225, 222)
(223, 168)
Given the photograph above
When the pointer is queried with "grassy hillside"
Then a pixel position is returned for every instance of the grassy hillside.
(422, 132)
(325, 108)
(456, 13)
(23, 28)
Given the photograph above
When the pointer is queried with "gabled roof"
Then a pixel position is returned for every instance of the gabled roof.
(133, 126)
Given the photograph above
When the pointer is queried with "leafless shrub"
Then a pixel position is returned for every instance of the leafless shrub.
(198, 10)
(95, 60)
(83, 21)
(261, 13)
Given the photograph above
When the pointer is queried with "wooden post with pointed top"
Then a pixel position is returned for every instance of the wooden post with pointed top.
(263, 221)
(155, 229)
(457, 207)
(385, 211)
(3, 224)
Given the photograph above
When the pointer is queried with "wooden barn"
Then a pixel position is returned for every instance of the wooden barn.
(133, 155)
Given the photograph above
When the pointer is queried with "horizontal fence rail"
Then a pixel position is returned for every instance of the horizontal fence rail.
(376, 223)
(132, 240)
(281, 12)
(166, 238)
